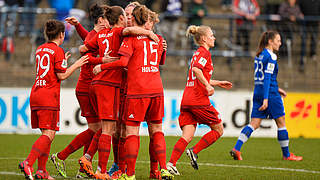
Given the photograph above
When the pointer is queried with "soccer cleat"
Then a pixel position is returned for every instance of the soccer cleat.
(26, 169)
(59, 164)
(293, 157)
(81, 174)
(40, 174)
(87, 166)
(113, 169)
(126, 177)
(236, 154)
(102, 176)
(116, 175)
(165, 175)
(155, 174)
(193, 158)
(172, 169)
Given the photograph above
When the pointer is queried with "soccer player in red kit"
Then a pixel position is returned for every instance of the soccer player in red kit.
(144, 101)
(51, 68)
(82, 92)
(106, 85)
(195, 105)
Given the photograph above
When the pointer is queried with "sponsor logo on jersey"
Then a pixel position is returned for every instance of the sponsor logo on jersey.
(202, 61)
(270, 68)
(64, 64)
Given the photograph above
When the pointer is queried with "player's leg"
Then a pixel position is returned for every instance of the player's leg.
(209, 138)
(40, 119)
(104, 146)
(244, 136)
(115, 149)
(154, 171)
(159, 146)
(132, 146)
(283, 140)
(42, 173)
(121, 150)
(180, 146)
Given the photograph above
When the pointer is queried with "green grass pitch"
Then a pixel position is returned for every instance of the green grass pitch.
(262, 159)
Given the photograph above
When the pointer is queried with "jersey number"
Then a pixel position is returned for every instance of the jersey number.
(258, 68)
(107, 46)
(46, 68)
(145, 59)
(193, 77)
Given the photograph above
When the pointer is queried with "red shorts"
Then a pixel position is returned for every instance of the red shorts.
(105, 101)
(193, 116)
(45, 119)
(86, 107)
(147, 109)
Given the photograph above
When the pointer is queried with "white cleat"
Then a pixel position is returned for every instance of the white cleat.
(172, 169)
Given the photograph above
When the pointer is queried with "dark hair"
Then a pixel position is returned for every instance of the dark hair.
(95, 12)
(264, 40)
(53, 28)
(140, 14)
(113, 13)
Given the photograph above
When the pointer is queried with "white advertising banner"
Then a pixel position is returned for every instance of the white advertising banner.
(234, 108)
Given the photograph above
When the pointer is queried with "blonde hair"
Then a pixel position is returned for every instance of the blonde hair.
(153, 16)
(197, 32)
(133, 4)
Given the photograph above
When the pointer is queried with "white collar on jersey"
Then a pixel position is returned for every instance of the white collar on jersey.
(273, 55)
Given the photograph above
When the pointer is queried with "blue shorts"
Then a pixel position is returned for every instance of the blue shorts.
(275, 108)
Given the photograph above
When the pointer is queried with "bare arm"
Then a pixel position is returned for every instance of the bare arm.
(140, 31)
(198, 73)
(222, 84)
(81, 61)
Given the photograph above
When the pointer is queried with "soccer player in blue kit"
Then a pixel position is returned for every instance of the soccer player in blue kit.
(267, 100)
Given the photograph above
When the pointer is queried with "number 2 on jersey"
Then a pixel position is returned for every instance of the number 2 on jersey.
(107, 46)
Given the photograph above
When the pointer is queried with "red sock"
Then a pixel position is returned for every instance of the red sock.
(121, 151)
(93, 145)
(153, 156)
(43, 158)
(159, 145)
(79, 141)
(131, 153)
(206, 141)
(104, 151)
(115, 148)
(178, 150)
(41, 144)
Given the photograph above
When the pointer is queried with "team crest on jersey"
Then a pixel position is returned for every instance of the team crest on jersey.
(202, 61)
(64, 64)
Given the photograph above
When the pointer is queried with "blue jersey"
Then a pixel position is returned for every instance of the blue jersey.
(265, 75)
(266, 87)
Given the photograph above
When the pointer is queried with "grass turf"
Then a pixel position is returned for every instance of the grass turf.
(262, 159)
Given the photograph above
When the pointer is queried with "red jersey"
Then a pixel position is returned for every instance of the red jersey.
(86, 73)
(195, 93)
(107, 40)
(45, 93)
(143, 75)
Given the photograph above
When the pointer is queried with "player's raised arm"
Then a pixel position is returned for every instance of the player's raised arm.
(81, 61)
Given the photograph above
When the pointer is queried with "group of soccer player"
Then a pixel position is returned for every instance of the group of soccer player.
(120, 86)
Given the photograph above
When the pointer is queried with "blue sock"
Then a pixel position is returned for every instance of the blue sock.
(283, 140)
(244, 136)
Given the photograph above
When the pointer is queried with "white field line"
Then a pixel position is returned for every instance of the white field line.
(187, 163)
